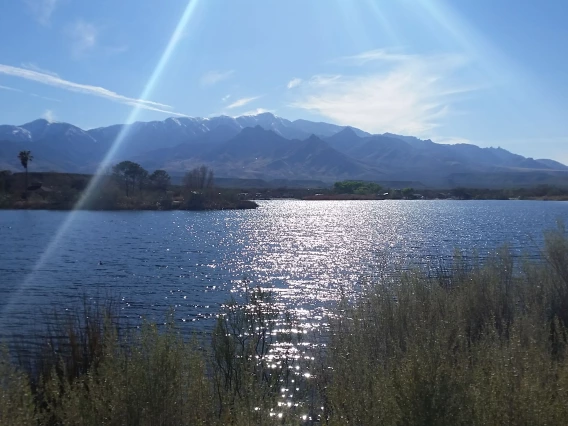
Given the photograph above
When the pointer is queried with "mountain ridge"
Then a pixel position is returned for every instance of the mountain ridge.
(267, 146)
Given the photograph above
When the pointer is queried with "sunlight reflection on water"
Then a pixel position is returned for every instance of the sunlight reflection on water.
(308, 253)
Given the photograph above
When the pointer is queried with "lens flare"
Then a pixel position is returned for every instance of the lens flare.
(176, 36)
(383, 22)
(496, 65)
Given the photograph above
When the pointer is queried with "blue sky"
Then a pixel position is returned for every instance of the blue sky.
(484, 72)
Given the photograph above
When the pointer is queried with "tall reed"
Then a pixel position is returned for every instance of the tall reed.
(485, 343)
(487, 348)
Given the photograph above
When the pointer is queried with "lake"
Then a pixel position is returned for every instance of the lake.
(308, 252)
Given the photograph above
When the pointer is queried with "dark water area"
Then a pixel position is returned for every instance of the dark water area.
(308, 253)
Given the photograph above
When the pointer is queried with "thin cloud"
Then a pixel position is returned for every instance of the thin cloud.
(225, 98)
(242, 102)
(42, 10)
(85, 89)
(35, 95)
(384, 57)
(375, 55)
(84, 37)
(49, 115)
(34, 67)
(407, 94)
(323, 79)
(294, 83)
(257, 111)
(213, 77)
(450, 140)
(11, 89)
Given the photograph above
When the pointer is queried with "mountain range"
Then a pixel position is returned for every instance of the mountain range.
(265, 146)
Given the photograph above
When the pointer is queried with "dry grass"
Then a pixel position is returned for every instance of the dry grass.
(485, 346)
(90, 370)
(488, 349)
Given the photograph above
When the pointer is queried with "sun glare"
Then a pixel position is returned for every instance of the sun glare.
(169, 50)
(383, 21)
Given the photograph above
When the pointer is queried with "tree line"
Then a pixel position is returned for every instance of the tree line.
(133, 176)
(357, 187)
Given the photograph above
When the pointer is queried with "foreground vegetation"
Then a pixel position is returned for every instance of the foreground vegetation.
(485, 345)
(479, 344)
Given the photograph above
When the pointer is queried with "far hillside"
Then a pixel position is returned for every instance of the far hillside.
(265, 147)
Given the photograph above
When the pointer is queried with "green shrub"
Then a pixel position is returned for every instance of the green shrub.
(156, 379)
(195, 201)
(485, 344)
(488, 349)
(16, 398)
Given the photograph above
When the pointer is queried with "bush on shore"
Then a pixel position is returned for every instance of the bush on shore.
(90, 370)
(484, 345)
(487, 347)
(129, 187)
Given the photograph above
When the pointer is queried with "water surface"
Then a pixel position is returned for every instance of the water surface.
(307, 252)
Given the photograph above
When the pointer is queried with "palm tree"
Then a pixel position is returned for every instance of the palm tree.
(25, 157)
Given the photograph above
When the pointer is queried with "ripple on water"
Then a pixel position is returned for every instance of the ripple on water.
(309, 253)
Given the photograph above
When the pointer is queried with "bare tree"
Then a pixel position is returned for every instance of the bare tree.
(198, 179)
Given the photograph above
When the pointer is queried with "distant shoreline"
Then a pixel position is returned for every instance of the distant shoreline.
(252, 205)
(61, 191)
(239, 205)
(353, 197)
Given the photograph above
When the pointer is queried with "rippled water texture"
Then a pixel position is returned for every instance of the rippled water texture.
(308, 252)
